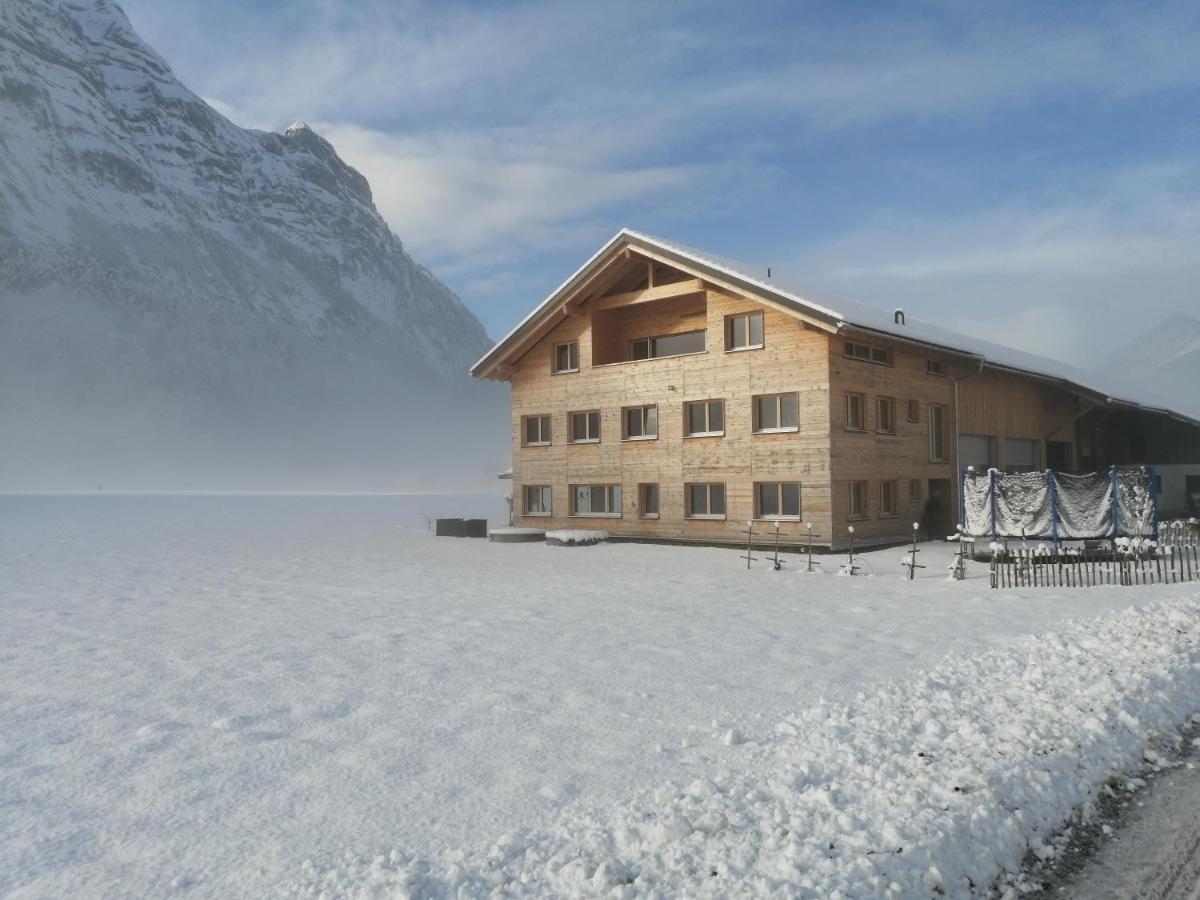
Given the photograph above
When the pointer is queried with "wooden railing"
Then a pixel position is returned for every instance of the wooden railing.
(1162, 564)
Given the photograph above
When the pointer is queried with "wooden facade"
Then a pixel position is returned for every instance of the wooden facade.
(878, 419)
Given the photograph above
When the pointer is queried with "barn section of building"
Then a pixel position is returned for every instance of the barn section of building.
(612, 372)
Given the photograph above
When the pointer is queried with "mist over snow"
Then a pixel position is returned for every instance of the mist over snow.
(186, 304)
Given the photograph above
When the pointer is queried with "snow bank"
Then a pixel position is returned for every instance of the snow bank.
(937, 785)
(575, 537)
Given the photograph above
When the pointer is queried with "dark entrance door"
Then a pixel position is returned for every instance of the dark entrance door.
(938, 520)
(1058, 456)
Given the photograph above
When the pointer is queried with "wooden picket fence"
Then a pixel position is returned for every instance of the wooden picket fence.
(1022, 567)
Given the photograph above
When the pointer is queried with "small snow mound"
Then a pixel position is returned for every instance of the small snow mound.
(575, 537)
(297, 128)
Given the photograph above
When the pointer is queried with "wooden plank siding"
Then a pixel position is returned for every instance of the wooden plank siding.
(1007, 405)
(872, 457)
(793, 359)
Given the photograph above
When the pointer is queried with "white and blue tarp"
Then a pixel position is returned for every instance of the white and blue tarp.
(1055, 506)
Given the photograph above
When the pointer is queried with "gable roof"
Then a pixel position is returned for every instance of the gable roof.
(836, 314)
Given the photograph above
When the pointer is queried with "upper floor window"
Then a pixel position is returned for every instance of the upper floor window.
(704, 418)
(566, 357)
(744, 332)
(668, 345)
(885, 415)
(937, 433)
(776, 412)
(935, 367)
(537, 500)
(596, 500)
(868, 353)
(856, 413)
(777, 500)
(639, 423)
(536, 431)
(585, 427)
(705, 501)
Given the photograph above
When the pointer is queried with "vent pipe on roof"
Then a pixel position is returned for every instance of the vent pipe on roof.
(768, 271)
(898, 316)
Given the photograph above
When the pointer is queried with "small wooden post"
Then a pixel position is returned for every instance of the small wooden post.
(850, 570)
(810, 546)
(778, 564)
(749, 543)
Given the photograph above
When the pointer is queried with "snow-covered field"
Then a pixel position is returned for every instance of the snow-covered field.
(255, 696)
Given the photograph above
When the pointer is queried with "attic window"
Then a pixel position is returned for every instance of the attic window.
(744, 332)
(667, 345)
(566, 357)
(867, 353)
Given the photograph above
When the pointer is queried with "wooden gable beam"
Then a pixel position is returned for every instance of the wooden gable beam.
(730, 288)
(647, 295)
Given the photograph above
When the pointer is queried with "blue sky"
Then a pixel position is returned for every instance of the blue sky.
(1028, 172)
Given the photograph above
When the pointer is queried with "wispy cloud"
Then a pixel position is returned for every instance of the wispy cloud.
(1062, 276)
(503, 141)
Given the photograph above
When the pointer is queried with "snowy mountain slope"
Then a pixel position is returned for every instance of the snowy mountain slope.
(1166, 358)
(154, 256)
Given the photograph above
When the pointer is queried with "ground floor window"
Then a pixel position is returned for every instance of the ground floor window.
(777, 500)
(648, 501)
(705, 501)
(595, 500)
(537, 500)
(978, 450)
(887, 498)
(915, 490)
(1021, 455)
(857, 500)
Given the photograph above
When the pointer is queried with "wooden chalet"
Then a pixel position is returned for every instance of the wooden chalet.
(665, 393)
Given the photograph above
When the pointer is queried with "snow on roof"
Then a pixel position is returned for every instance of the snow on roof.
(843, 313)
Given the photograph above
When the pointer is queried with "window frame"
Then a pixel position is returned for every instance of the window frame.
(590, 439)
(642, 486)
(650, 345)
(888, 403)
(756, 421)
(611, 492)
(729, 320)
(918, 495)
(851, 515)
(554, 369)
(912, 412)
(626, 436)
(547, 433)
(850, 351)
(690, 513)
(780, 516)
(862, 412)
(941, 409)
(895, 492)
(687, 418)
(936, 368)
(548, 493)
